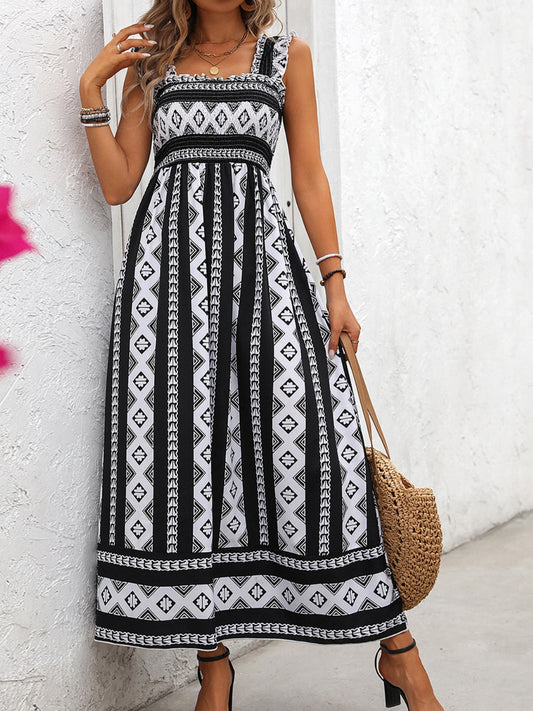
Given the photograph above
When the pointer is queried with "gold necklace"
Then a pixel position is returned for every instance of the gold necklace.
(214, 68)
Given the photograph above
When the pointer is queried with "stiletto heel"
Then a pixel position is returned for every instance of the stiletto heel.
(214, 659)
(392, 693)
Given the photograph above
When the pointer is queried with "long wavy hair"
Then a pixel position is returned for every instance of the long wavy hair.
(174, 22)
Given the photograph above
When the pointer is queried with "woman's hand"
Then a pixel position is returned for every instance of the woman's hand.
(109, 61)
(341, 318)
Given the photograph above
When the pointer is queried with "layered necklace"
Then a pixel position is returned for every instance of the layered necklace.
(214, 67)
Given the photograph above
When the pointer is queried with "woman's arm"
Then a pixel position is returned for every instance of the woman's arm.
(119, 160)
(311, 186)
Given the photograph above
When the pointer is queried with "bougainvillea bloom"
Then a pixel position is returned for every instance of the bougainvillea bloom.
(12, 242)
(12, 234)
(7, 357)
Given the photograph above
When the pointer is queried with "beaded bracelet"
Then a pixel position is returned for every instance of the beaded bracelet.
(96, 123)
(91, 110)
(327, 276)
(99, 116)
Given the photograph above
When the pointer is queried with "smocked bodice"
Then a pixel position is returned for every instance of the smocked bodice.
(197, 117)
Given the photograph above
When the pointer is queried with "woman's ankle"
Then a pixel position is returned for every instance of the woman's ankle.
(205, 653)
(398, 641)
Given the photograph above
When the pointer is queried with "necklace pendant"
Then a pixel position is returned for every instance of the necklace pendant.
(214, 70)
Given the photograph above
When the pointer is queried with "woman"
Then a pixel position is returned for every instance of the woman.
(235, 497)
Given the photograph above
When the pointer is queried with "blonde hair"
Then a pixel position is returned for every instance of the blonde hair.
(174, 22)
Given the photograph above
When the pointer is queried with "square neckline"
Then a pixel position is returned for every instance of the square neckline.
(260, 40)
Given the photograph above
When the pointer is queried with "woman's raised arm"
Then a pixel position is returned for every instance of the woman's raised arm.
(119, 160)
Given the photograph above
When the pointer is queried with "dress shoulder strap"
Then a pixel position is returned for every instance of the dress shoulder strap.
(275, 54)
(281, 53)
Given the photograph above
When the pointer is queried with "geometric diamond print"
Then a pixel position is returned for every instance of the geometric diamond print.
(218, 274)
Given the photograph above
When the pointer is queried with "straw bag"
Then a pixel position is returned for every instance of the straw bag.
(410, 522)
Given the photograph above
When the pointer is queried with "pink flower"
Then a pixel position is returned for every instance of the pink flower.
(7, 357)
(12, 242)
(12, 234)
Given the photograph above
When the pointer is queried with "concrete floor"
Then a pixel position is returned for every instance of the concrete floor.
(474, 632)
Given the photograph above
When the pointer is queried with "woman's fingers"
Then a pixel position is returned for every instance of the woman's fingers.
(335, 337)
(333, 342)
(120, 42)
(354, 338)
(125, 32)
(128, 44)
(341, 318)
(110, 60)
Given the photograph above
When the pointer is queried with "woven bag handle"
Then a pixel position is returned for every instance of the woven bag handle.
(366, 403)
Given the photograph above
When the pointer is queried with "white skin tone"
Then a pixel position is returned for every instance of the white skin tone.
(120, 162)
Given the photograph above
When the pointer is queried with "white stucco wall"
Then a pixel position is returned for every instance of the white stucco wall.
(55, 307)
(436, 108)
(436, 171)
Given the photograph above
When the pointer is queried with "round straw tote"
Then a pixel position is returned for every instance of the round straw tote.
(410, 523)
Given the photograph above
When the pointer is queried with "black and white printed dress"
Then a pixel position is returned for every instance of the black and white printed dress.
(235, 496)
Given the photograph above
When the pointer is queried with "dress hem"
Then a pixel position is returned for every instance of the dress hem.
(355, 635)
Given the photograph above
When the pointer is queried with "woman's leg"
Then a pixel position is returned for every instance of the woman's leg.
(216, 681)
(407, 671)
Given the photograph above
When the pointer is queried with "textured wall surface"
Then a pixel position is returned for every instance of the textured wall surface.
(55, 307)
(436, 110)
(436, 170)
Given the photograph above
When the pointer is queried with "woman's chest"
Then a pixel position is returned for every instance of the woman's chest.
(231, 107)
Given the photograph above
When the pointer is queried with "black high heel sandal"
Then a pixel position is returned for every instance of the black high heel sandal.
(392, 693)
(213, 659)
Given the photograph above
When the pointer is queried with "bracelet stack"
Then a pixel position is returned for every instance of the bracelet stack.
(99, 116)
(334, 271)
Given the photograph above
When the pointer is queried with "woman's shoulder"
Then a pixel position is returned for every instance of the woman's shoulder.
(294, 48)
(289, 44)
(288, 38)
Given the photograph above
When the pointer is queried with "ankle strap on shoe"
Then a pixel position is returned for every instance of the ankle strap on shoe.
(398, 651)
(213, 659)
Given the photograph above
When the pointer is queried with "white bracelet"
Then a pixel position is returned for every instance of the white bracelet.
(326, 256)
